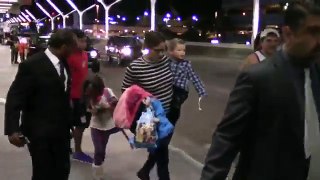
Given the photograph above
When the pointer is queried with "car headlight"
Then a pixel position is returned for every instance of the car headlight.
(145, 51)
(93, 54)
(126, 51)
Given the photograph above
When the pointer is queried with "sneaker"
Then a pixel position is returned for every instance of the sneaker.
(143, 176)
(82, 157)
(98, 173)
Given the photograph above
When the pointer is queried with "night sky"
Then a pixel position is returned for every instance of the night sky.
(133, 8)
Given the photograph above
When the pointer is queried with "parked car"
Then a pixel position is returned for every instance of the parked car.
(123, 49)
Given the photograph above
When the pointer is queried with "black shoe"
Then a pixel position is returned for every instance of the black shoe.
(143, 175)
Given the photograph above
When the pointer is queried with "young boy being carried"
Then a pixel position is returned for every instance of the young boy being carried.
(183, 73)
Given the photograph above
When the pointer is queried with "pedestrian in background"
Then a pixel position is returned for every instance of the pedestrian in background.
(269, 41)
(22, 48)
(13, 42)
(78, 63)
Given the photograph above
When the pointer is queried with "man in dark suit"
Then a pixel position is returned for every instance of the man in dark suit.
(40, 95)
(272, 114)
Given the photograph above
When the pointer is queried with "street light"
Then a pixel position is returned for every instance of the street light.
(255, 20)
(80, 12)
(31, 15)
(195, 18)
(18, 19)
(23, 19)
(107, 8)
(48, 14)
(26, 16)
(153, 14)
(64, 17)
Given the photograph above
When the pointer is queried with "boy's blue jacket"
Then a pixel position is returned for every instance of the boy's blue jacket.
(165, 128)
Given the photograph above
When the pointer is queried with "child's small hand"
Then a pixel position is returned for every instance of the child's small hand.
(199, 102)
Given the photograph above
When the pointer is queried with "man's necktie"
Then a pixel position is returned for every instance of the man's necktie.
(62, 75)
(312, 131)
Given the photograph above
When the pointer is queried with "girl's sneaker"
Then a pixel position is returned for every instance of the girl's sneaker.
(82, 157)
(97, 172)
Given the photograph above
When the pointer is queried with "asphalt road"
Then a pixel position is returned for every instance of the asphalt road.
(190, 143)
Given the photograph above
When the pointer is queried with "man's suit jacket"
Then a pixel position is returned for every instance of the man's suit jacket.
(264, 121)
(40, 95)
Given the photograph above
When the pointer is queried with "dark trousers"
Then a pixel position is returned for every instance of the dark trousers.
(14, 56)
(22, 57)
(178, 98)
(50, 159)
(100, 140)
(161, 155)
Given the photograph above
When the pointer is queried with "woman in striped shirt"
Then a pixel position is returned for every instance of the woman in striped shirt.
(152, 72)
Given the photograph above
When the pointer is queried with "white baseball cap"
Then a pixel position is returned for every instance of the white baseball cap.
(267, 31)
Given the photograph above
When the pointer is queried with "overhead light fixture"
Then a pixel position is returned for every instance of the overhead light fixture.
(80, 13)
(5, 4)
(26, 16)
(48, 14)
(22, 18)
(31, 15)
(8, 1)
(4, 7)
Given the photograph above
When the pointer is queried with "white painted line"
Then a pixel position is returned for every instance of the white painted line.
(2, 100)
(187, 156)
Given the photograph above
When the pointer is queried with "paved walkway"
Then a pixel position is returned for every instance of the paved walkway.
(121, 163)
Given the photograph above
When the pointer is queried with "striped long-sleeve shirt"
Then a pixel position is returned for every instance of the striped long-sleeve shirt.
(154, 77)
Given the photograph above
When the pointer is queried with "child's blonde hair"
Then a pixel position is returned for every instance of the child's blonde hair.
(172, 44)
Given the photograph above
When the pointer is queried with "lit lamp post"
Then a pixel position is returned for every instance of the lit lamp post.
(64, 17)
(18, 19)
(107, 8)
(80, 12)
(48, 14)
(255, 20)
(153, 14)
(34, 18)
(23, 19)
(26, 16)
(31, 15)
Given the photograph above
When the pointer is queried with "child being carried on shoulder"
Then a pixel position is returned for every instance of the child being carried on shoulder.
(183, 73)
(101, 102)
